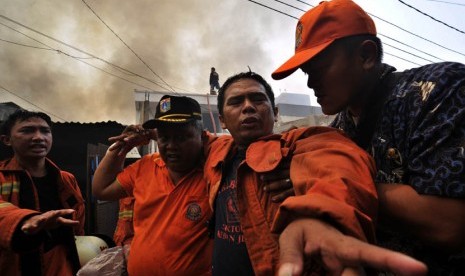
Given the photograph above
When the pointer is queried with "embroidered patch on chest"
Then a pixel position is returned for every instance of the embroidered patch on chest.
(194, 212)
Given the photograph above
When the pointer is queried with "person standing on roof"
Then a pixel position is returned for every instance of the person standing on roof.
(214, 80)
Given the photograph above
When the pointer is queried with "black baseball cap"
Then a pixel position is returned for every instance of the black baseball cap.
(174, 110)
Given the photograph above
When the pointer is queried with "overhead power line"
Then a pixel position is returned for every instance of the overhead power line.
(270, 8)
(265, 6)
(77, 58)
(446, 2)
(392, 46)
(286, 4)
(402, 59)
(305, 3)
(90, 8)
(74, 57)
(81, 59)
(407, 31)
(416, 49)
(414, 34)
(437, 20)
(16, 95)
(24, 45)
(84, 52)
(411, 33)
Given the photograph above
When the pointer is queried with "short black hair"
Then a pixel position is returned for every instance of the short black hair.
(22, 115)
(241, 76)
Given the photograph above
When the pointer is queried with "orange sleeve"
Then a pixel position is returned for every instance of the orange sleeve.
(333, 180)
(10, 218)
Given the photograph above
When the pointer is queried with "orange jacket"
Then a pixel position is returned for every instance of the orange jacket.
(332, 178)
(11, 215)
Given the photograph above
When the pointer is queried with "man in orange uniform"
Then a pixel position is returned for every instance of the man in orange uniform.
(171, 200)
(332, 180)
(41, 206)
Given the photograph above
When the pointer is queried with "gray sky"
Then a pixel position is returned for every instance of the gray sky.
(180, 40)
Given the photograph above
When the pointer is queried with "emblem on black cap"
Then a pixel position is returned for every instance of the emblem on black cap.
(165, 105)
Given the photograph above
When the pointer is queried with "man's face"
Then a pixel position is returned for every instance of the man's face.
(30, 139)
(247, 112)
(180, 147)
(335, 78)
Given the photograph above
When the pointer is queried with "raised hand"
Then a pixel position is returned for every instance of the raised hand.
(132, 136)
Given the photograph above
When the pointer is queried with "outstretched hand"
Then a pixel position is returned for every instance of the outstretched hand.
(312, 240)
(48, 220)
(132, 136)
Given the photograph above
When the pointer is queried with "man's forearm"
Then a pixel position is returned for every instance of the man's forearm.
(437, 221)
(105, 175)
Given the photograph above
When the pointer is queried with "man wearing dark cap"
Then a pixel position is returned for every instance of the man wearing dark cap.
(171, 200)
(411, 122)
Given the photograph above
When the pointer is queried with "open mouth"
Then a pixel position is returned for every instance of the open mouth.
(38, 147)
(171, 157)
(249, 121)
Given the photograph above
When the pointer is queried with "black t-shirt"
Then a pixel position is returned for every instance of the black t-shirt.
(230, 255)
(48, 192)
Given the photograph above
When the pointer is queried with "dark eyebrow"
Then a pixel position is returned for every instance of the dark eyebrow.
(235, 98)
(36, 127)
(251, 94)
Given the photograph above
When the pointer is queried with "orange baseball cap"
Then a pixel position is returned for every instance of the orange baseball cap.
(321, 26)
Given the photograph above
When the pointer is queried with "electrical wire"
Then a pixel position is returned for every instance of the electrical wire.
(402, 59)
(33, 104)
(84, 52)
(305, 3)
(400, 42)
(418, 36)
(427, 15)
(286, 4)
(397, 48)
(445, 2)
(90, 8)
(265, 6)
(24, 45)
(382, 34)
(79, 59)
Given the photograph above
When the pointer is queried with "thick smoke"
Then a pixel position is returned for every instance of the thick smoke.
(180, 40)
